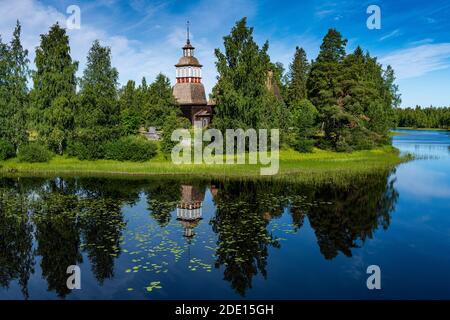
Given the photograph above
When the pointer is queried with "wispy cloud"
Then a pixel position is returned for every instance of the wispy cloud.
(392, 34)
(419, 60)
(422, 41)
(324, 13)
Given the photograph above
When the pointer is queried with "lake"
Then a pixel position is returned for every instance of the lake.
(164, 238)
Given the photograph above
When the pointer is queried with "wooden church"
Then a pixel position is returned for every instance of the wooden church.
(189, 90)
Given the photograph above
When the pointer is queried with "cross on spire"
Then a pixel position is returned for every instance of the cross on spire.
(187, 32)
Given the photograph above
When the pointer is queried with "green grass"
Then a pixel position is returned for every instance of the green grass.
(394, 134)
(319, 165)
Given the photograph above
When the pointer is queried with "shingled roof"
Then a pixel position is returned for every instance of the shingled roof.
(190, 93)
(188, 61)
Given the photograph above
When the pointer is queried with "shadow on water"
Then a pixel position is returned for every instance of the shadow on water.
(54, 223)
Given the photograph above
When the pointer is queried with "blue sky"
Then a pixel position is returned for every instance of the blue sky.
(146, 36)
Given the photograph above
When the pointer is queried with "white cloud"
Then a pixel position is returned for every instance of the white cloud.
(133, 58)
(419, 60)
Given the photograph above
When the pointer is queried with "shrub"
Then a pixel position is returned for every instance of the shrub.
(85, 150)
(34, 152)
(132, 148)
(6, 150)
(88, 143)
(303, 145)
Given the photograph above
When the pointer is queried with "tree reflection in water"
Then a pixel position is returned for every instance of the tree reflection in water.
(66, 217)
(342, 217)
(16, 240)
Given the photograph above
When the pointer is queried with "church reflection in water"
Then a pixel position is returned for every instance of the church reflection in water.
(189, 209)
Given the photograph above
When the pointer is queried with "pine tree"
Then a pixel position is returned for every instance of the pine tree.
(323, 80)
(297, 77)
(53, 95)
(13, 90)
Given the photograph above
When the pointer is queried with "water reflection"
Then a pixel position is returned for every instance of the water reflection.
(16, 240)
(61, 222)
(189, 209)
(428, 144)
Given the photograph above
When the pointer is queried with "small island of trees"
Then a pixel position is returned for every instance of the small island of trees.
(340, 101)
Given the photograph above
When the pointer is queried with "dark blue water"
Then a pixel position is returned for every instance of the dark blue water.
(180, 239)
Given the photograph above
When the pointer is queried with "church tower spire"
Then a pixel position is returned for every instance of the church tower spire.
(189, 90)
(189, 70)
(188, 41)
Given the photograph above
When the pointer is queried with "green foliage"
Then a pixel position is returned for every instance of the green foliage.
(131, 148)
(88, 150)
(34, 152)
(323, 80)
(53, 94)
(297, 77)
(160, 102)
(354, 95)
(303, 120)
(303, 145)
(146, 105)
(242, 95)
(173, 122)
(419, 117)
(129, 122)
(13, 90)
(130, 113)
(59, 123)
(304, 115)
(6, 150)
(97, 119)
(351, 97)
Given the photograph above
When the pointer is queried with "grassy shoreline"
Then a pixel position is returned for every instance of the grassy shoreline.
(424, 129)
(317, 166)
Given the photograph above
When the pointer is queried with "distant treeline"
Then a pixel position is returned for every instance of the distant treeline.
(418, 117)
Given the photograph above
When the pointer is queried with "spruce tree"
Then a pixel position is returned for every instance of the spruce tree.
(241, 90)
(97, 119)
(297, 77)
(98, 85)
(13, 90)
(53, 95)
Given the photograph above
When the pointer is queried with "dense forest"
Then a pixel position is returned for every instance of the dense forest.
(340, 101)
(419, 117)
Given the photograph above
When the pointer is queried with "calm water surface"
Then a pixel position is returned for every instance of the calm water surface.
(172, 239)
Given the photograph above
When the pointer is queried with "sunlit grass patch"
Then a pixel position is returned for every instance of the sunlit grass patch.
(319, 165)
